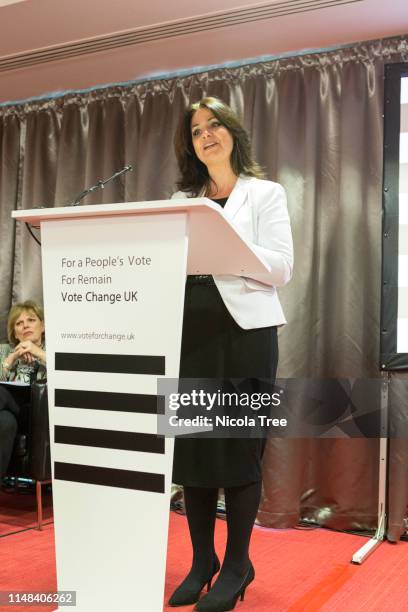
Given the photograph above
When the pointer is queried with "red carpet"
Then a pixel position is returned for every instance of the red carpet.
(27, 563)
(296, 570)
(18, 510)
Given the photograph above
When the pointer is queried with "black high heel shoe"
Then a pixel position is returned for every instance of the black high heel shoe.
(188, 593)
(227, 601)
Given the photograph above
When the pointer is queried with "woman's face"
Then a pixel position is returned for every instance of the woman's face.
(212, 141)
(29, 327)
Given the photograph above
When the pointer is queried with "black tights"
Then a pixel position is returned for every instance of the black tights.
(241, 507)
(241, 504)
(201, 508)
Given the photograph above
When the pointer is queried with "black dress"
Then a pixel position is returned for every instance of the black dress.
(215, 346)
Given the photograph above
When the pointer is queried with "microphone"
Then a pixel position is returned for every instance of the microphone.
(100, 185)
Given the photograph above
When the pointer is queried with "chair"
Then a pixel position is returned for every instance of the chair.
(31, 453)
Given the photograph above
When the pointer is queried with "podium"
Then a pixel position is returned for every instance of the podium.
(113, 281)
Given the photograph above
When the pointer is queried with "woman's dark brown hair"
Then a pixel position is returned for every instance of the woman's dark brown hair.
(193, 173)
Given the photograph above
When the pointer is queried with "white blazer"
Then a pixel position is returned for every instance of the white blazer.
(257, 208)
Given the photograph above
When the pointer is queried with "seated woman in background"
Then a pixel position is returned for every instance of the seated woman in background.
(24, 361)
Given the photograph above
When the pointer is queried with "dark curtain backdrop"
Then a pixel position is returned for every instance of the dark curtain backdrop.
(316, 125)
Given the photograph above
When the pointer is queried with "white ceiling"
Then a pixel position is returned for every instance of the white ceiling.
(221, 31)
(5, 2)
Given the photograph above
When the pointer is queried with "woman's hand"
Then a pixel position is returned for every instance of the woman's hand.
(28, 351)
(9, 361)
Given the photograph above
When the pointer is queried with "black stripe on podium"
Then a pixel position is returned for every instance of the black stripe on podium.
(107, 438)
(107, 400)
(113, 364)
(109, 477)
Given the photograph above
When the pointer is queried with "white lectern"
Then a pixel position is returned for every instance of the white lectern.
(114, 279)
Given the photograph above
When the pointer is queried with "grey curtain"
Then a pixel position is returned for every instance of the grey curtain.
(316, 126)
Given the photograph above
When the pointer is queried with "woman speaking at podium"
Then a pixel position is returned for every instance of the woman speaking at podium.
(229, 331)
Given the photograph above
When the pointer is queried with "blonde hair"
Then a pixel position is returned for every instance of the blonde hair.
(15, 311)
